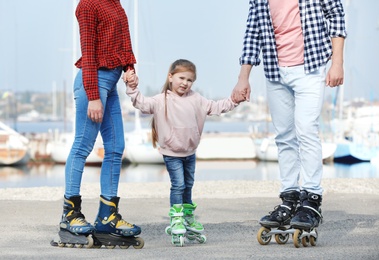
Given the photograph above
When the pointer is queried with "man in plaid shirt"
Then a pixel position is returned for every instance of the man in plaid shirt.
(297, 39)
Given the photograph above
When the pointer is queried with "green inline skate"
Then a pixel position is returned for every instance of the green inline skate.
(176, 229)
(194, 228)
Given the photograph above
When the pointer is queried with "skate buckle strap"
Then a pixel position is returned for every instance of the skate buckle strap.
(318, 213)
(176, 214)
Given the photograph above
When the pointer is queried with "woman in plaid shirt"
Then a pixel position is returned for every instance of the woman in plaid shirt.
(297, 39)
(106, 52)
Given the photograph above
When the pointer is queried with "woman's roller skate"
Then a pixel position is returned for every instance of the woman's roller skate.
(111, 230)
(176, 229)
(307, 218)
(194, 228)
(277, 222)
(74, 229)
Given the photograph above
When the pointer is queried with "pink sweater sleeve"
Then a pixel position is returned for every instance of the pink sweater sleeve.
(145, 104)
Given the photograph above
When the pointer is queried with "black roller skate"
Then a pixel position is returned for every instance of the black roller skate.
(111, 230)
(74, 231)
(194, 228)
(176, 229)
(277, 222)
(307, 218)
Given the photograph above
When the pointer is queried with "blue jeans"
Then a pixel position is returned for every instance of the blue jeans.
(295, 104)
(182, 175)
(86, 131)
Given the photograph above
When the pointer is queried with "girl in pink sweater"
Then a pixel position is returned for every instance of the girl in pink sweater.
(177, 125)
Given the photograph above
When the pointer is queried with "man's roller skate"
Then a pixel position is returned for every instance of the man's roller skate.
(111, 230)
(176, 229)
(307, 218)
(277, 222)
(194, 229)
(74, 231)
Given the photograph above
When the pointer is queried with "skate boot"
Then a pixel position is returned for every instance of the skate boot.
(307, 218)
(74, 229)
(193, 227)
(277, 221)
(111, 230)
(176, 229)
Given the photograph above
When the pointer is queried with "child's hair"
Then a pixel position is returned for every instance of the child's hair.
(180, 65)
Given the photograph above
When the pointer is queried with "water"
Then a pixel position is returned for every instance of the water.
(53, 175)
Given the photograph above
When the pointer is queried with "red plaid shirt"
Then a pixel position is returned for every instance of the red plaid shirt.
(104, 39)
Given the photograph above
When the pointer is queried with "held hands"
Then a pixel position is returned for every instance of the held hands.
(241, 91)
(130, 78)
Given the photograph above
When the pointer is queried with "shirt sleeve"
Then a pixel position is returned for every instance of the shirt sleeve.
(87, 20)
(335, 14)
(251, 44)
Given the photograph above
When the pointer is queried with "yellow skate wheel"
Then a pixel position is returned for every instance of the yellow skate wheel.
(281, 239)
(262, 236)
(70, 245)
(141, 243)
(305, 241)
(296, 238)
(110, 247)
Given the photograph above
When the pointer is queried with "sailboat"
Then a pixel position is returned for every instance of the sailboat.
(14, 148)
(138, 144)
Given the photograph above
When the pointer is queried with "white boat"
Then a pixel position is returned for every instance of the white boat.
(267, 150)
(14, 148)
(61, 146)
(227, 146)
(139, 147)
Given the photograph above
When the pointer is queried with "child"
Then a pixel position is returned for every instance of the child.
(177, 125)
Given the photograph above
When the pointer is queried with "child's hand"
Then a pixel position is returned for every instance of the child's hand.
(130, 78)
(237, 101)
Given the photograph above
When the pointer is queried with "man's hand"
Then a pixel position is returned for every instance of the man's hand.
(95, 110)
(335, 76)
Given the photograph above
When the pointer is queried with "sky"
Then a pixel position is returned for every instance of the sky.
(37, 51)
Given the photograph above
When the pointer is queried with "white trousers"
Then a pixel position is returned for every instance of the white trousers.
(295, 104)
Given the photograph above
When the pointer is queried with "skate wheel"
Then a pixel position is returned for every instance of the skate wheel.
(79, 246)
(70, 245)
(305, 241)
(140, 243)
(313, 239)
(262, 236)
(296, 238)
(168, 230)
(281, 239)
(90, 242)
(202, 239)
(61, 244)
(110, 247)
(124, 247)
(181, 241)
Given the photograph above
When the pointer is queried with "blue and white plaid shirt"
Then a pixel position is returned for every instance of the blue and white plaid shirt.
(320, 20)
